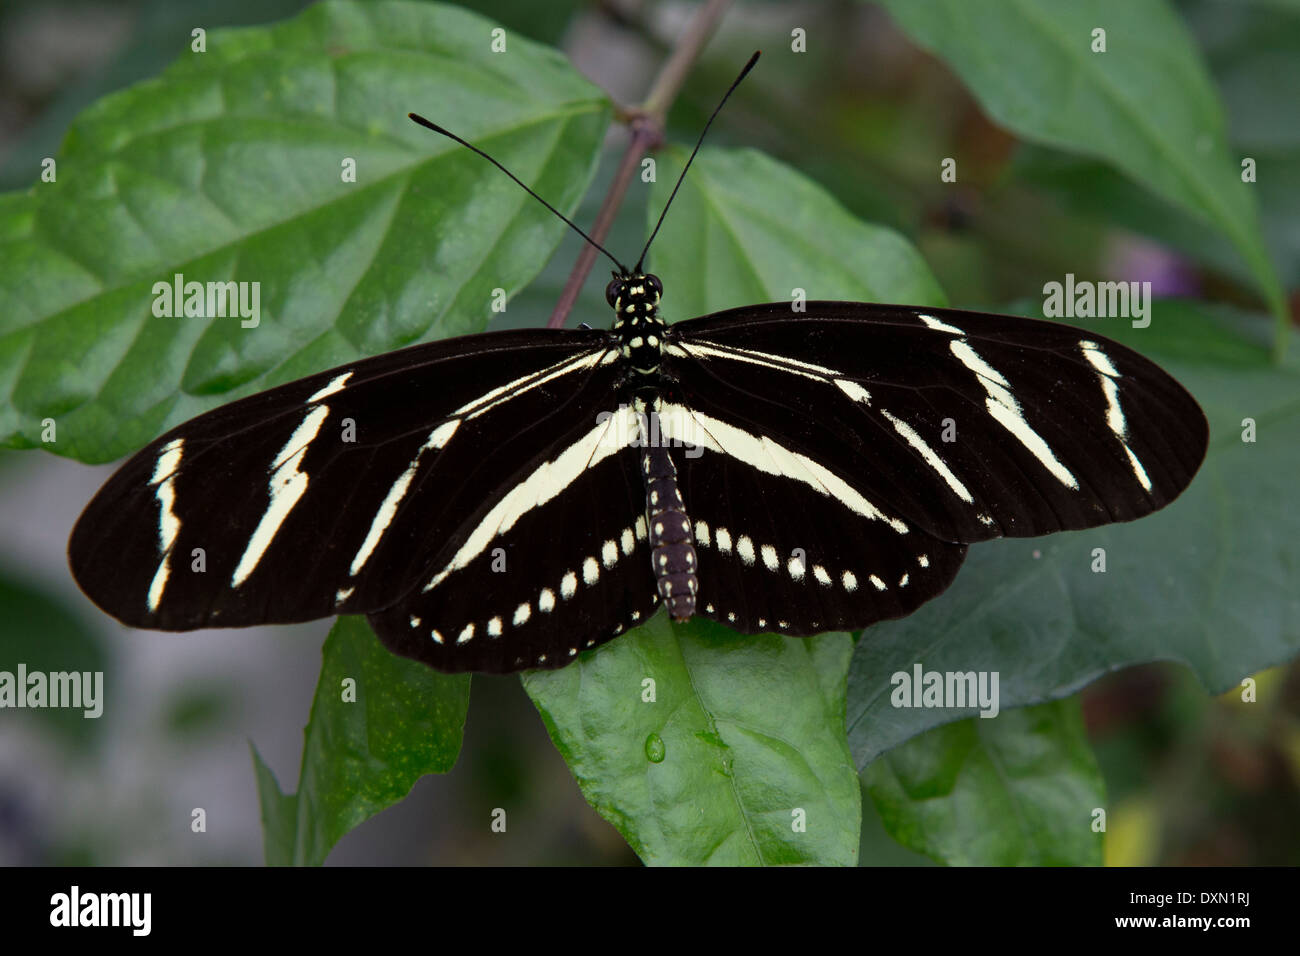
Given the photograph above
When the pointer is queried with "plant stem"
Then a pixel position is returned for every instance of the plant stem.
(647, 127)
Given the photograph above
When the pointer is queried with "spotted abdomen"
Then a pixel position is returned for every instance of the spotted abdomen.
(672, 548)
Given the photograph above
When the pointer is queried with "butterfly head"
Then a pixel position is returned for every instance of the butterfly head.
(634, 294)
(635, 300)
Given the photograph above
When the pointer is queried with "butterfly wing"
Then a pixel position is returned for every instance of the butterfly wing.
(782, 553)
(554, 565)
(334, 493)
(824, 492)
(969, 426)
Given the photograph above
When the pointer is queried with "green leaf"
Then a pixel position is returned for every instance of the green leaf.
(1208, 581)
(745, 228)
(44, 636)
(378, 723)
(229, 167)
(1254, 55)
(744, 738)
(1016, 790)
(1146, 105)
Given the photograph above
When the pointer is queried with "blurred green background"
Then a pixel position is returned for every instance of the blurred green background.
(1191, 779)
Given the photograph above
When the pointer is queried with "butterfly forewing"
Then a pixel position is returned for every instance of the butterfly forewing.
(329, 494)
(966, 425)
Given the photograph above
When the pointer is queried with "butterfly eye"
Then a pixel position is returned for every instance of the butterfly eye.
(612, 290)
(655, 286)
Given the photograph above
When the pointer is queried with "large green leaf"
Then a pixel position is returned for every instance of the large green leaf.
(739, 758)
(1020, 789)
(1146, 105)
(378, 723)
(1209, 581)
(1253, 52)
(229, 167)
(745, 228)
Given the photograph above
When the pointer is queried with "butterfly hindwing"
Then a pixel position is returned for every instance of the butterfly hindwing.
(781, 554)
(534, 578)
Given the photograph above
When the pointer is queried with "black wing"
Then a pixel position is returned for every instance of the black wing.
(971, 426)
(337, 493)
(775, 554)
(532, 587)
(826, 432)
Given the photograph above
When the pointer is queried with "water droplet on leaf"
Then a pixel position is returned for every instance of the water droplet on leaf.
(654, 748)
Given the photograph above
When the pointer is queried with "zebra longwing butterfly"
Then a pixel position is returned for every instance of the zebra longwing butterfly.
(768, 469)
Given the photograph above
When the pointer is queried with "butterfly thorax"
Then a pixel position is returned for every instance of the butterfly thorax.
(635, 299)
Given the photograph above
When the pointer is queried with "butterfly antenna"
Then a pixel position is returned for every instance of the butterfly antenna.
(429, 124)
(743, 73)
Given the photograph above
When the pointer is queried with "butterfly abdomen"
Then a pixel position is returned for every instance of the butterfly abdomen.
(672, 549)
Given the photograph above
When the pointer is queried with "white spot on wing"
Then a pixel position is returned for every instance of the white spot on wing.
(770, 560)
(335, 385)
(1115, 419)
(766, 455)
(609, 553)
(169, 459)
(796, 567)
(854, 391)
(546, 602)
(544, 484)
(590, 571)
(783, 363)
(169, 525)
(933, 460)
(1137, 468)
(442, 434)
(1098, 359)
(527, 383)
(745, 548)
(850, 581)
(940, 326)
(568, 585)
(1006, 411)
(702, 534)
(723, 537)
(287, 486)
(522, 613)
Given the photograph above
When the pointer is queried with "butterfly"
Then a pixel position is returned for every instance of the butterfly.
(512, 499)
